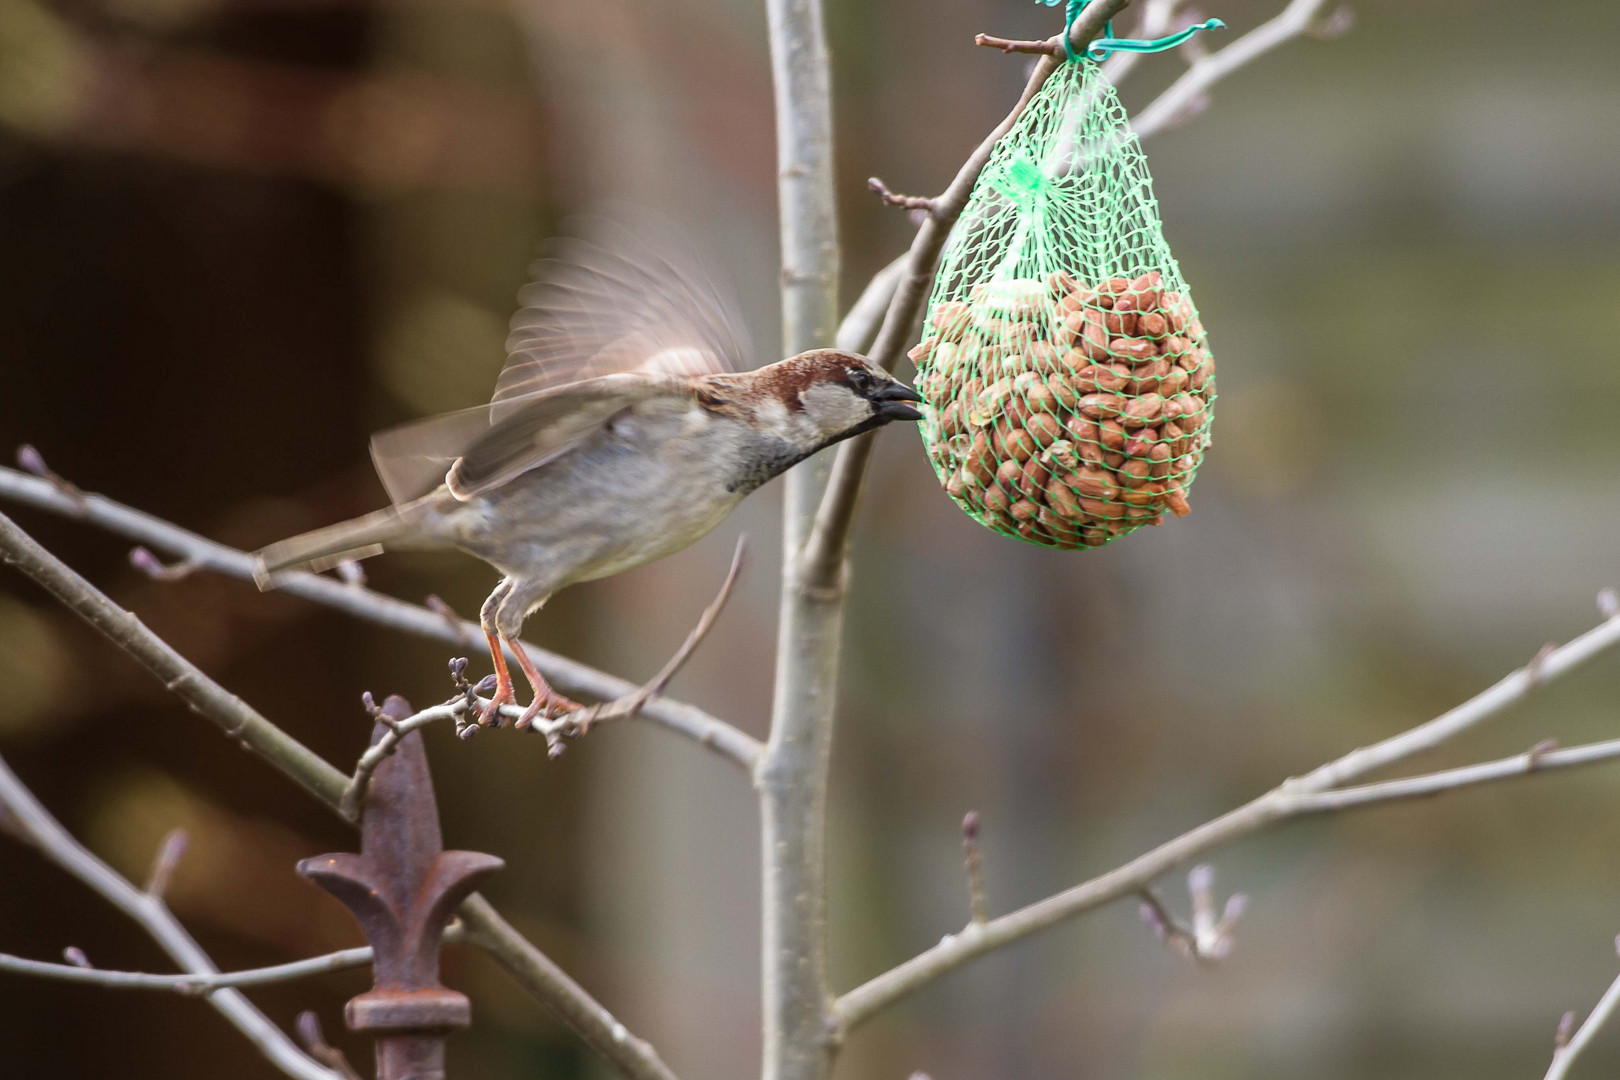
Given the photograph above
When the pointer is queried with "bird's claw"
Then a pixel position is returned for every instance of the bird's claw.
(490, 715)
(546, 706)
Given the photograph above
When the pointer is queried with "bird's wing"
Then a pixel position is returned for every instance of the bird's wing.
(413, 458)
(540, 426)
(472, 451)
(624, 301)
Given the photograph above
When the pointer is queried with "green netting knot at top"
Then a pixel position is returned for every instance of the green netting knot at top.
(1067, 378)
(1102, 47)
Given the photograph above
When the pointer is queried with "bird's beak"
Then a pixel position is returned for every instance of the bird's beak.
(891, 402)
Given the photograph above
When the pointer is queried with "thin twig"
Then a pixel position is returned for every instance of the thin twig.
(150, 565)
(570, 676)
(909, 202)
(395, 729)
(535, 971)
(973, 863)
(623, 708)
(1158, 19)
(1179, 939)
(1299, 18)
(860, 326)
(1568, 1047)
(455, 622)
(308, 1029)
(1417, 787)
(196, 985)
(169, 854)
(58, 845)
(1052, 47)
(32, 461)
(1310, 794)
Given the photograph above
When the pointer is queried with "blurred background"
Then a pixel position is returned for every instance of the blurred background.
(237, 236)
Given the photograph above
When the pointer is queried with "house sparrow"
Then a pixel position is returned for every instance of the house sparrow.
(620, 432)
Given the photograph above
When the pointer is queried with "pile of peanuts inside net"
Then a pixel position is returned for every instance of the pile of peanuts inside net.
(1067, 412)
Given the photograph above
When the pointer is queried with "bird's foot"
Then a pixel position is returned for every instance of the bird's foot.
(490, 714)
(546, 706)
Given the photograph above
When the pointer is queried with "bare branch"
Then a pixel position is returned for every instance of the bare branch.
(860, 325)
(396, 728)
(169, 854)
(240, 721)
(532, 968)
(1158, 20)
(569, 675)
(1536, 759)
(197, 985)
(1471, 712)
(455, 622)
(1299, 18)
(1568, 1047)
(150, 565)
(32, 462)
(1158, 918)
(1052, 47)
(909, 202)
(1310, 794)
(973, 862)
(551, 985)
(58, 845)
(791, 773)
(623, 708)
(308, 1029)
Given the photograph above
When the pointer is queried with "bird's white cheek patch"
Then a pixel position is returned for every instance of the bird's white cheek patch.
(834, 408)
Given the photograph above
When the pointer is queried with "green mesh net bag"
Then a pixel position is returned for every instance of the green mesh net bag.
(1068, 381)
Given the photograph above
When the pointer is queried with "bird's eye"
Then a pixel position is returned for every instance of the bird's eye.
(859, 379)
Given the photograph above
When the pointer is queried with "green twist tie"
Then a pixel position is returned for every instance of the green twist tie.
(1106, 45)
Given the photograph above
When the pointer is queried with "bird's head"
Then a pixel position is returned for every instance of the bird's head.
(823, 396)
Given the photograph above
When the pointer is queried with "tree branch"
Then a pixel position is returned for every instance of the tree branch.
(571, 676)
(1310, 794)
(58, 845)
(791, 774)
(484, 926)
(800, 1042)
(189, 985)
(1299, 18)
(1567, 1048)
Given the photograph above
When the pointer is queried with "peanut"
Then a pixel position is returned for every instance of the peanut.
(1098, 406)
(1133, 350)
(1143, 411)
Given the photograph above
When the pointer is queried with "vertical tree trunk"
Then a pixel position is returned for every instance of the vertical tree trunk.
(792, 776)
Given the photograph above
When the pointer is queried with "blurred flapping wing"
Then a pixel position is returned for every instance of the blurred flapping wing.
(626, 303)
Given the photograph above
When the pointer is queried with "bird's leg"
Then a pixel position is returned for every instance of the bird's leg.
(546, 700)
(503, 695)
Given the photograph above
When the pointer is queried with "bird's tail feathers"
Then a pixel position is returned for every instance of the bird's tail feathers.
(322, 549)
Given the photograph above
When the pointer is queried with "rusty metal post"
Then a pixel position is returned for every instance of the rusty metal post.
(402, 888)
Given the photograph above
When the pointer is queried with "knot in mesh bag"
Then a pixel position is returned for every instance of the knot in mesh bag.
(1067, 377)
